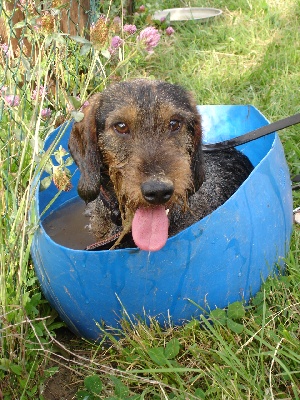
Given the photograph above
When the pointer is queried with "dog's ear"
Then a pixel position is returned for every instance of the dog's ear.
(197, 166)
(83, 146)
(195, 128)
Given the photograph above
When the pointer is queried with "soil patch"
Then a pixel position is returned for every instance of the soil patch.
(66, 382)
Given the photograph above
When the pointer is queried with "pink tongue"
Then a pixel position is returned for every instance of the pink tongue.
(150, 228)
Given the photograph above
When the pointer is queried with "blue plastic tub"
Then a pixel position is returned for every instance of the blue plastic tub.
(218, 260)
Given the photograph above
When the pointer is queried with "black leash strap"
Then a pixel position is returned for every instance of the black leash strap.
(255, 134)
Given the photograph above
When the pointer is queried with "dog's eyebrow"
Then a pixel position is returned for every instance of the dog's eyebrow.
(122, 114)
(171, 109)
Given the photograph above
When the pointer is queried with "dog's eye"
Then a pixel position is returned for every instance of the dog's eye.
(121, 128)
(174, 125)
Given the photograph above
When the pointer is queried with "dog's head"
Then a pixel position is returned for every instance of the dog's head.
(147, 136)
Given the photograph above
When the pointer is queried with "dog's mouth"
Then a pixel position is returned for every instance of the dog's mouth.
(150, 227)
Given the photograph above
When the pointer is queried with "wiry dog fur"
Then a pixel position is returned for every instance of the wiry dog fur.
(140, 142)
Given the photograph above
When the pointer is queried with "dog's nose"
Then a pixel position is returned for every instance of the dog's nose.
(157, 192)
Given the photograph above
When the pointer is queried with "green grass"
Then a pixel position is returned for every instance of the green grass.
(249, 55)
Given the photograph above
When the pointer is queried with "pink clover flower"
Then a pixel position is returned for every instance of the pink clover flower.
(149, 37)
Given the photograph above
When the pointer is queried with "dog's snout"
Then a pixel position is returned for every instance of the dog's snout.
(157, 192)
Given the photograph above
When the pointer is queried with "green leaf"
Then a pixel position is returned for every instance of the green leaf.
(69, 161)
(84, 395)
(56, 325)
(93, 384)
(199, 393)
(106, 54)
(77, 115)
(158, 356)
(55, 37)
(32, 391)
(234, 326)
(38, 330)
(48, 168)
(286, 280)
(48, 40)
(26, 63)
(51, 371)
(45, 183)
(16, 369)
(172, 349)
(36, 299)
(80, 39)
(192, 325)
(20, 24)
(20, 135)
(59, 154)
(236, 311)
(258, 299)
(219, 316)
(85, 49)
(58, 38)
(4, 364)
(121, 391)
(74, 101)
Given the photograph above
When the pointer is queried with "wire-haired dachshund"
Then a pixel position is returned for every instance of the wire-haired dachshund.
(143, 171)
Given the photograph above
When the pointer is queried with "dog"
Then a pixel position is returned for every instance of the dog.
(143, 173)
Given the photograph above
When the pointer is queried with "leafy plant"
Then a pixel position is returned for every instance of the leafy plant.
(230, 317)
(60, 173)
(93, 387)
(165, 355)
